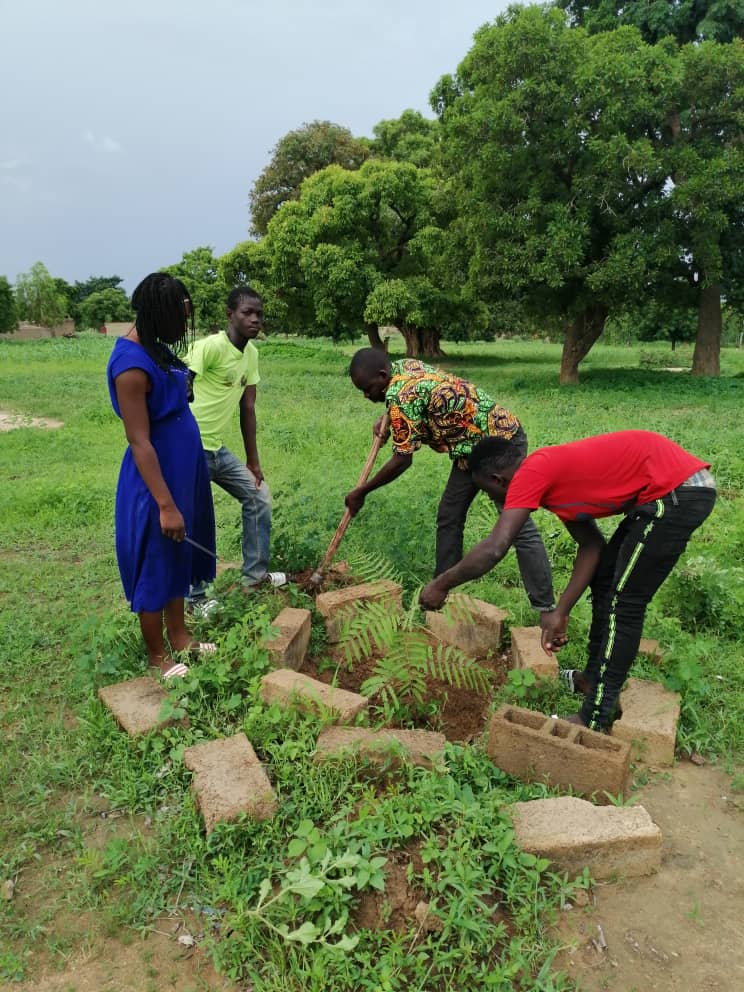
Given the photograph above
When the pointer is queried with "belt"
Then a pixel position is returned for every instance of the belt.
(700, 479)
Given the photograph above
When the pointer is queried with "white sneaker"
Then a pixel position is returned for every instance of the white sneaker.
(277, 579)
(204, 608)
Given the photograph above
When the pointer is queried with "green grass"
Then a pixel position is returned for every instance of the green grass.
(65, 631)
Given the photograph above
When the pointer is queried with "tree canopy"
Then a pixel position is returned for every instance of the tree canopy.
(408, 138)
(685, 20)
(582, 179)
(8, 309)
(104, 305)
(296, 156)
(38, 297)
(200, 272)
(356, 251)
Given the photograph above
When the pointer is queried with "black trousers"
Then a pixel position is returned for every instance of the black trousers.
(532, 558)
(634, 563)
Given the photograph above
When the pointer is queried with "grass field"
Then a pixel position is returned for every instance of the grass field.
(65, 631)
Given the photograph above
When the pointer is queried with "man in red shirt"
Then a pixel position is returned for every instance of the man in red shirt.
(664, 494)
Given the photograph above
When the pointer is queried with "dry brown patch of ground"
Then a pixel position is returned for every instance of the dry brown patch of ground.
(12, 421)
(679, 930)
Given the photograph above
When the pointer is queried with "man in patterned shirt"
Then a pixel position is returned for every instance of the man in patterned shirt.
(432, 407)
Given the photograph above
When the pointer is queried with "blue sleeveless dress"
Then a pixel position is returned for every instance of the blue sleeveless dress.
(154, 569)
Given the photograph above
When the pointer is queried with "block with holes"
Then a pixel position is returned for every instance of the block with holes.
(537, 748)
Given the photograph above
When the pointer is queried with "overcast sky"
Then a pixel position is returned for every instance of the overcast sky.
(132, 131)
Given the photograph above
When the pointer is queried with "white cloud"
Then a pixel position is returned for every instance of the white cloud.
(103, 144)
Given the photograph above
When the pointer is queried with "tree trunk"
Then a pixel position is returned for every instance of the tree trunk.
(706, 359)
(422, 342)
(580, 336)
(373, 336)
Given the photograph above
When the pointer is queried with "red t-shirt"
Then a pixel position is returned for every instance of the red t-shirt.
(601, 475)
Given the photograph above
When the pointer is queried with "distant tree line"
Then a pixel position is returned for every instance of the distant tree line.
(583, 175)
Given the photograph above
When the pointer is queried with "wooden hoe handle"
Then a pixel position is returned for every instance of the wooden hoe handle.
(341, 529)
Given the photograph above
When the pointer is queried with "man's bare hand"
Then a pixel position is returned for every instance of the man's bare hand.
(381, 428)
(432, 596)
(354, 501)
(255, 469)
(554, 631)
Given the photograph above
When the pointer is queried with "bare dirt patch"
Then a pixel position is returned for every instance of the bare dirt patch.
(679, 930)
(462, 713)
(12, 421)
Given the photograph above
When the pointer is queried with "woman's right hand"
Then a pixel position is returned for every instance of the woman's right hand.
(172, 524)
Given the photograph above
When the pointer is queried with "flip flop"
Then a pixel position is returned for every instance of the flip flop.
(566, 676)
(177, 671)
(205, 647)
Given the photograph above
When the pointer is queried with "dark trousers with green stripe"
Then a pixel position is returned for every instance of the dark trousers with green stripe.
(634, 563)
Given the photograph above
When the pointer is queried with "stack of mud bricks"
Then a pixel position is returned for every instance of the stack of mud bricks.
(339, 607)
(537, 748)
(471, 625)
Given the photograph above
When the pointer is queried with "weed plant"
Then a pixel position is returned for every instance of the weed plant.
(279, 901)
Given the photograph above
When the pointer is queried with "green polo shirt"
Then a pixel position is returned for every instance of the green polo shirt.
(222, 373)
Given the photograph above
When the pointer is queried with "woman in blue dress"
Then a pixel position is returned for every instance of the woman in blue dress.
(163, 494)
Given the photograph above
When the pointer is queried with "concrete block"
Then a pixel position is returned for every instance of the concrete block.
(289, 646)
(526, 652)
(536, 748)
(136, 705)
(292, 689)
(650, 648)
(469, 624)
(649, 721)
(420, 747)
(610, 841)
(340, 604)
(229, 780)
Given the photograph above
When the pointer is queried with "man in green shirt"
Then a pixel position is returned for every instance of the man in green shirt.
(226, 376)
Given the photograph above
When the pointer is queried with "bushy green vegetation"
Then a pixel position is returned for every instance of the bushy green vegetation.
(275, 898)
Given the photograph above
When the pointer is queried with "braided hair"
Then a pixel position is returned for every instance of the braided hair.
(165, 326)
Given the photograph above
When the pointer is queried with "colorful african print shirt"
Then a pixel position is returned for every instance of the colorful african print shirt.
(430, 406)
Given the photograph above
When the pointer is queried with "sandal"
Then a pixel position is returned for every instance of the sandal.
(177, 671)
(566, 676)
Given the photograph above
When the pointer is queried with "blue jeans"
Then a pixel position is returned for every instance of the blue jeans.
(229, 473)
(532, 558)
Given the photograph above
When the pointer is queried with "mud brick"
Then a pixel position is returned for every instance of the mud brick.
(526, 652)
(611, 841)
(291, 689)
(649, 721)
(650, 648)
(340, 604)
(469, 624)
(536, 748)
(420, 747)
(229, 780)
(288, 647)
(136, 705)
